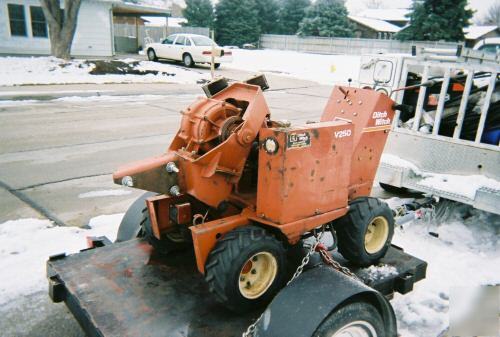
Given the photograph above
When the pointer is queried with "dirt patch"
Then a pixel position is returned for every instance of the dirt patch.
(102, 67)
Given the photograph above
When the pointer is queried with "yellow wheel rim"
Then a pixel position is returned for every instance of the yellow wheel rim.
(376, 235)
(257, 275)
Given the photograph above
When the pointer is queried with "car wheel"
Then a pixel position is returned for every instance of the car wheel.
(152, 55)
(187, 59)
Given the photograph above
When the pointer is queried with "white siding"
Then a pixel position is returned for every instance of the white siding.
(92, 38)
(93, 33)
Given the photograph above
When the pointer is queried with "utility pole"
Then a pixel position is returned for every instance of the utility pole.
(212, 56)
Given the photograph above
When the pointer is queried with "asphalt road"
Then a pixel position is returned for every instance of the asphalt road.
(52, 150)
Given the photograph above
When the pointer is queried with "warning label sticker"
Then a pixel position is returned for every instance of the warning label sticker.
(298, 140)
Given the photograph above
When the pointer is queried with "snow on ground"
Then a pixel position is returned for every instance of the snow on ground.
(128, 99)
(103, 193)
(135, 99)
(26, 244)
(50, 70)
(324, 69)
(381, 272)
(466, 253)
(452, 183)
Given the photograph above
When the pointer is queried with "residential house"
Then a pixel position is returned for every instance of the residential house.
(395, 16)
(474, 34)
(24, 30)
(373, 28)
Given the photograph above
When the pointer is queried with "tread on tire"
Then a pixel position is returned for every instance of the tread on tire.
(351, 230)
(227, 259)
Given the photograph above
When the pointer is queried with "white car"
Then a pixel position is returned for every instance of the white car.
(188, 48)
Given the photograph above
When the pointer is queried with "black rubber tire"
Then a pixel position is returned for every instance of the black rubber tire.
(130, 227)
(154, 57)
(393, 189)
(228, 257)
(216, 65)
(351, 230)
(187, 60)
(349, 313)
(163, 246)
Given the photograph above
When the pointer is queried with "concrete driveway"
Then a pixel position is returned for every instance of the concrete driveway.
(53, 150)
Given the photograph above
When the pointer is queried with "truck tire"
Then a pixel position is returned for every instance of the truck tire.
(353, 319)
(366, 231)
(246, 268)
(130, 226)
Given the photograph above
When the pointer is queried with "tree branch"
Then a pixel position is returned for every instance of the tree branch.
(47, 8)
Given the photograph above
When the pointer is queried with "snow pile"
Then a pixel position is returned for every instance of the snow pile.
(324, 69)
(463, 185)
(390, 159)
(103, 193)
(466, 186)
(50, 70)
(129, 99)
(380, 272)
(26, 244)
(466, 253)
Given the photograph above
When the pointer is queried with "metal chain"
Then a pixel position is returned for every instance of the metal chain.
(305, 260)
(328, 259)
(317, 246)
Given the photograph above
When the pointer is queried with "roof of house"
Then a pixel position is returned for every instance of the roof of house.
(475, 32)
(375, 24)
(172, 22)
(386, 14)
(142, 8)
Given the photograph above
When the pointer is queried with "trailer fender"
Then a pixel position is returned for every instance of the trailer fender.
(131, 223)
(299, 308)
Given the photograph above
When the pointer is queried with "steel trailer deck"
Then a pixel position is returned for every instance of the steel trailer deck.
(123, 289)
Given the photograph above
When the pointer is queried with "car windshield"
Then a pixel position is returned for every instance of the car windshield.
(201, 41)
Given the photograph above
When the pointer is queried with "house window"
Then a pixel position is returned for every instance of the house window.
(38, 23)
(17, 20)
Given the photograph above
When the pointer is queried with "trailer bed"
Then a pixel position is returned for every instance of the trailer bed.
(123, 289)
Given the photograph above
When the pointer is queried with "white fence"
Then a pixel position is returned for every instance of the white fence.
(327, 45)
(130, 37)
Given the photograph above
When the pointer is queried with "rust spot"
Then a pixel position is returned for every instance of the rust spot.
(312, 173)
(214, 182)
(334, 147)
(317, 161)
(293, 168)
(290, 185)
(127, 273)
(322, 179)
(268, 165)
(282, 171)
(315, 133)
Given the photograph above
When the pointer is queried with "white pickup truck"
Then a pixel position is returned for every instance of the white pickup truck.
(445, 138)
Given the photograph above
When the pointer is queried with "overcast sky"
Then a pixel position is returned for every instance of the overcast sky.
(480, 6)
